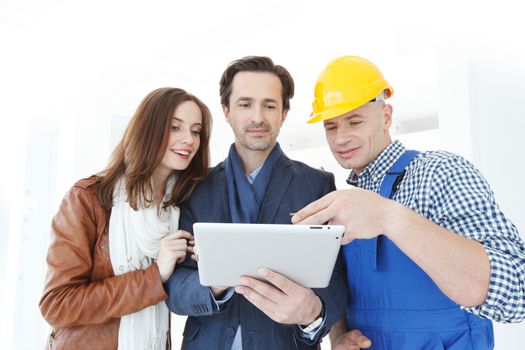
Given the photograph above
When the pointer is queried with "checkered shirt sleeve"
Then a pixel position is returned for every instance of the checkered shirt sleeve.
(450, 191)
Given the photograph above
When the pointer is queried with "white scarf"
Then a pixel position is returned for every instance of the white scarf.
(134, 242)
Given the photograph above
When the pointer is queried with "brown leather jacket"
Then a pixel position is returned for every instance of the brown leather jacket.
(83, 300)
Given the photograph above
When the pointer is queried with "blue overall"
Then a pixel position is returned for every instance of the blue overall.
(395, 304)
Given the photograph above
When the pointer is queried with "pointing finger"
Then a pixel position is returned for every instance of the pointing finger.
(304, 216)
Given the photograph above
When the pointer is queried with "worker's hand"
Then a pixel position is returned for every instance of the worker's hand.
(173, 249)
(363, 213)
(281, 299)
(353, 340)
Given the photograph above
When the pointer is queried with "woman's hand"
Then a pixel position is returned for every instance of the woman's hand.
(173, 250)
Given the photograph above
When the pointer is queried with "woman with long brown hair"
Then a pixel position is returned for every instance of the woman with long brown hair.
(115, 238)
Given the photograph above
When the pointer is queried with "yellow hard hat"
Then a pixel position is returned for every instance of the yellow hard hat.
(345, 84)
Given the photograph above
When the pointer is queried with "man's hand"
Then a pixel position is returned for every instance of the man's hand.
(282, 300)
(353, 340)
(363, 213)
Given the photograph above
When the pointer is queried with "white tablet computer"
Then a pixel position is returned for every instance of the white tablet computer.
(304, 253)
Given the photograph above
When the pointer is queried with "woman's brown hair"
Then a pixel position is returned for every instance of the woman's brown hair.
(141, 149)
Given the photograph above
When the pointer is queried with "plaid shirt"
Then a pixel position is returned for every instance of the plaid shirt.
(448, 190)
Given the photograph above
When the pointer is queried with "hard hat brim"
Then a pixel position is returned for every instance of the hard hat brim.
(334, 112)
(341, 109)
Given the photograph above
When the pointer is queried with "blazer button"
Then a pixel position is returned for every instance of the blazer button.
(230, 331)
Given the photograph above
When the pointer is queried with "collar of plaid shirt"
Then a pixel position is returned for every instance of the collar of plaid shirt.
(372, 176)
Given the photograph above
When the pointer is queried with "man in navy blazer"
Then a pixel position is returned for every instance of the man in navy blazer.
(256, 183)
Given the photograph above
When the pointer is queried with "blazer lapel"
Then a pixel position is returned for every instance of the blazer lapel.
(277, 187)
(222, 192)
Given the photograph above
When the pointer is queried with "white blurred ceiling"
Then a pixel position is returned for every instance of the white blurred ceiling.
(115, 52)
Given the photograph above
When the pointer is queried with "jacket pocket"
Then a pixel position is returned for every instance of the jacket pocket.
(191, 329)
(102, 267)
(103, 243)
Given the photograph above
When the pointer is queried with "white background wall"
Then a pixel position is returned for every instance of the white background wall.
(72, 73)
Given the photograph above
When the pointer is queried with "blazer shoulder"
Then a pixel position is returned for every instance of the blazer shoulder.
(216, 174)
(216, 178)
(304, 170)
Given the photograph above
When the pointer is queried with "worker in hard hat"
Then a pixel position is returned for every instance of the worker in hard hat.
(431, 259)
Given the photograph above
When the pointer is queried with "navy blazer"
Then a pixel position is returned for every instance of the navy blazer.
(292, 186)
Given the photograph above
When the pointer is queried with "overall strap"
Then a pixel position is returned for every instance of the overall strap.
(395, 174)
(388, 188)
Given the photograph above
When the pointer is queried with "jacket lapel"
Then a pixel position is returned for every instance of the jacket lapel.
(222, 192)
(277, 188)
